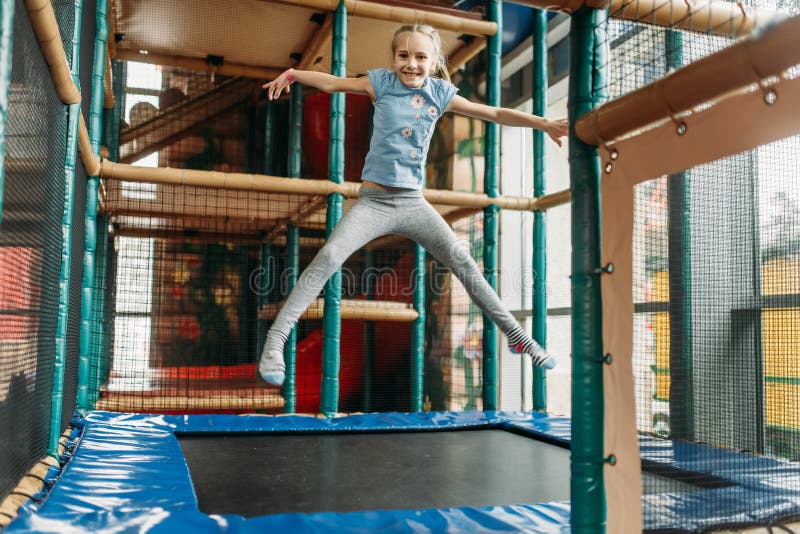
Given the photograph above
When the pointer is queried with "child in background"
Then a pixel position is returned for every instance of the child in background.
(408, 98)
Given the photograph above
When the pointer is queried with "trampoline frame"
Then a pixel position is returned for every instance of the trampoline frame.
(128, 470)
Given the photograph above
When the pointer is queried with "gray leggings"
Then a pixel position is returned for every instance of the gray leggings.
(377, 213)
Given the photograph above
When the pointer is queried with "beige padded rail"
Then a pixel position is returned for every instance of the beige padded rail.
(369, 310)
(716, 17)
(372, 10)
(45, 26)
(299, 186)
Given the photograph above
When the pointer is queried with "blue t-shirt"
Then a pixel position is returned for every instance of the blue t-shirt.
(403, 124)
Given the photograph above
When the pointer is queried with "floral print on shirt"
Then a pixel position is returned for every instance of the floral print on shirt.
(418, 102)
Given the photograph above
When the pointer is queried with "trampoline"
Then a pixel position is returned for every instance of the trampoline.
(255, 475)
(421, 472)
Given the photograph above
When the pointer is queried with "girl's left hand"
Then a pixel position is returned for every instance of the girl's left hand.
(557, 129)
(279, 84)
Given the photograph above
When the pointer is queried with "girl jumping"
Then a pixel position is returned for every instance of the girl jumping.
(408, 99)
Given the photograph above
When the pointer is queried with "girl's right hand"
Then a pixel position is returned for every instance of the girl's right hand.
(277, 86)
(557, 129)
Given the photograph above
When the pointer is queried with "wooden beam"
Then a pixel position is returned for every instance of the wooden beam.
(294, 186)
(310, 207)
(740, 65)
(199, 64)
(365, 310)
(174, 122)
(401, 14)
(715, 17)
(466, 52)
(316, 46)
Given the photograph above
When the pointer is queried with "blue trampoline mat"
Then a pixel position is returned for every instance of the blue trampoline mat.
(128, 473)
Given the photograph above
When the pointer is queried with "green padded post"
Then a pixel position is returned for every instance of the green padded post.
(369, 328)
(539, 219)
(490, 213)
(588, 513)
(6, 42)
(60, 362)
(331, 323)
(96, 354)
(105, 298)
(266, 248)
(264, 286)
(293, 242)
(269, 138)
(418, 332)
(93, 183)
(680, 283)
(112, 116)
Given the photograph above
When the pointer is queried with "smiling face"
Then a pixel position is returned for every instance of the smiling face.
(414, 58)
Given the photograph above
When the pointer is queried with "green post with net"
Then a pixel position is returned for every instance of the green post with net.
(60, 363)
(266, 248)
(293, 242)
(418, 332)
(269, 138)
(490, 213)
(588, 512)
(539, 265)
(680, 283)
(104, 303)
(6, 40)
(96, 354)
(93, 183)
(331, 323)
(369, 328)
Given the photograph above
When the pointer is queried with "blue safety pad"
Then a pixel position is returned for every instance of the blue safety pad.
(128, 474)
(762, 489)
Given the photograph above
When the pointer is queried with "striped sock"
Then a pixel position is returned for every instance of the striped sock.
(520, 343)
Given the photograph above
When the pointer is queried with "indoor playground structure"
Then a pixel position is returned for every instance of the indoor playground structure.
(156, 210)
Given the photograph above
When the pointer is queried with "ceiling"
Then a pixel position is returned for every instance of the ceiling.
(249, 32)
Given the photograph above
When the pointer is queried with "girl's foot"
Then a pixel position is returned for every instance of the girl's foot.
(520, 343)
(271, 366)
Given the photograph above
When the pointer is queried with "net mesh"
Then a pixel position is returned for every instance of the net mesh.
(716, 323)
(201, 272)
(30, 255)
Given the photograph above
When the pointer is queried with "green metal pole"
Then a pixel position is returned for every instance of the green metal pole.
(66, 248)
(331, 324)
(269, 138)
(97, 356)
(680, 283)
(90, 239)
(293, 242)
(418, 332)
(266, 248)
(369, 328)
(264, 288)
(586, 486)
(112, 116)
(490, 213)
(6, 42)
(105, 299)
(539, 220)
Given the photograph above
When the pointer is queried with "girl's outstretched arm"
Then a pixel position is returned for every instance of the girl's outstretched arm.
(319, 80)
(556, 129)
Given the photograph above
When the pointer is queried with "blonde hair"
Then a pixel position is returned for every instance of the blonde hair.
(440, 66)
